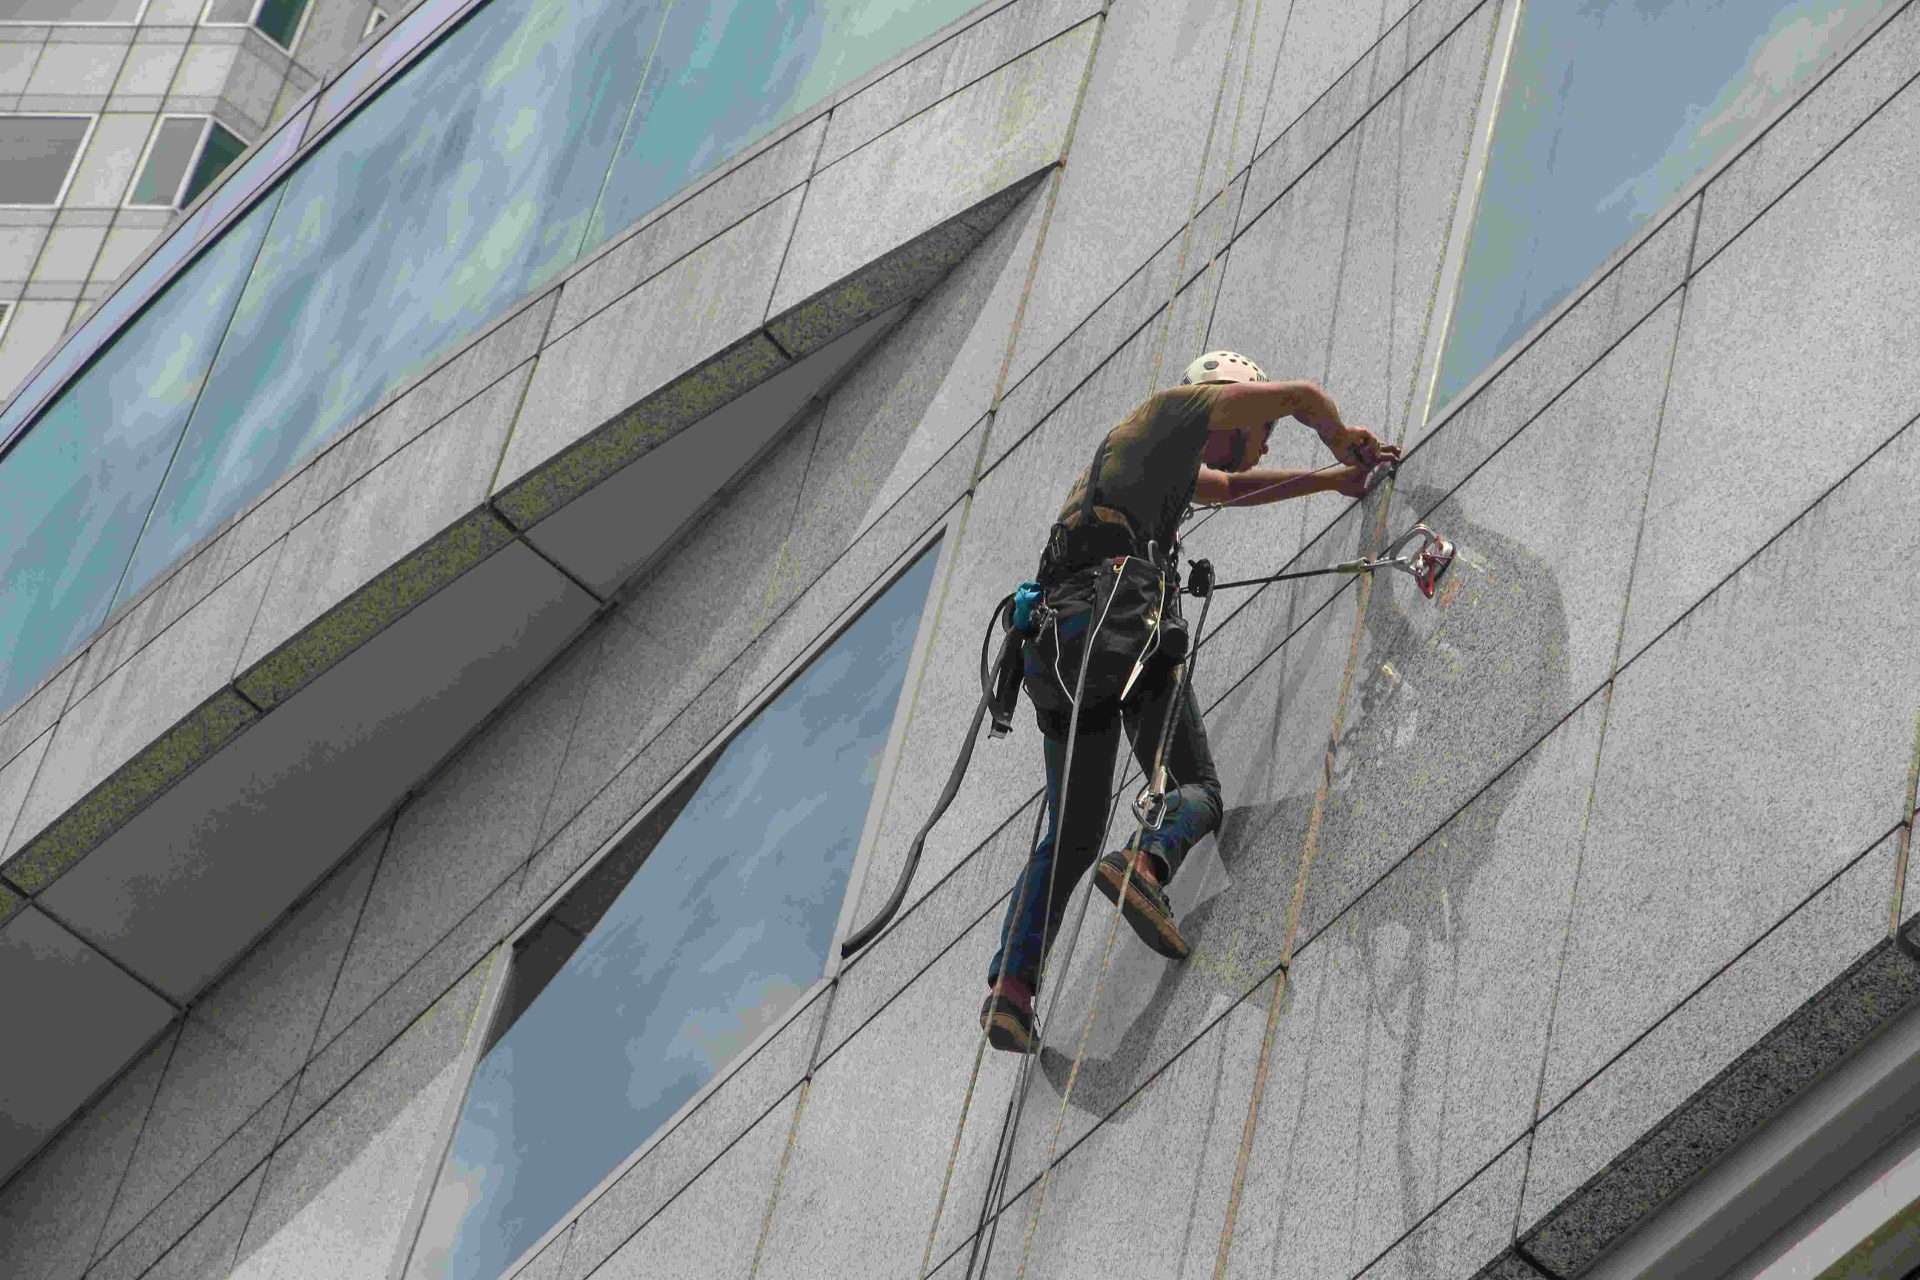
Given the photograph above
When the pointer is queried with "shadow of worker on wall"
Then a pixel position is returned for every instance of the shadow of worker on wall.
(1443, 696)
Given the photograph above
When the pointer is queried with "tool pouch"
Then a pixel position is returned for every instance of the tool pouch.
(1114, 615)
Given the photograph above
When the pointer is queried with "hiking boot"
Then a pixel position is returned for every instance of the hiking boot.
(1144, 907)
(1009, 1023)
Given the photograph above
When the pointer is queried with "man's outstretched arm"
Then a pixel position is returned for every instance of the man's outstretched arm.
(1245, 406)
(1275, 484)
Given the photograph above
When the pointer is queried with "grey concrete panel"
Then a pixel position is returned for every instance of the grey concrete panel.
(40, 710)
(498, 353)
(206, 1251)
(1136, 161)
(48, 973)
(600, 371)
(947, 68)
(1459, 949)
(423, 683)
(1759, 828)
(337, 1061)
(138, 712)
(1319, 41)
(16, 775)
(1065, 369)
(546, 1266)
(1742, 1098)
(1413, 152)
(666, 237)
(427, 486)
(580, 833)
(1232, 899)
(342, 1185)
(52, 1211)
(1582, 1131)
(874, 1141)
(1472, 1228)
(912, 399)
(245, 1040)
(1817, 124)
(1448, 692)
(460, 837)
(977, 888)
(712, 1227)
(1779, 298)
(676, 632)
(174, 1227)
(1146, 1192)
(1013, 123)
(1567, 343)
(759, 1086)
(1297, 1202)
(16, 63)
(622, 526)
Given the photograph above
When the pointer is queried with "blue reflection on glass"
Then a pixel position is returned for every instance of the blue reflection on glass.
(725, 74)
(725, 924)
(1610, 110)
(76, 489)
(102, 324)
(386, 53)
(490, 151)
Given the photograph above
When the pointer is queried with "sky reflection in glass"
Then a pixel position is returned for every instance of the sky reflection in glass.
(75, 491)
(1611, 108)
(490, 152)
(725, 924)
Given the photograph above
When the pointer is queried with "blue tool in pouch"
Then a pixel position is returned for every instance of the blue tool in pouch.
(1025, 597)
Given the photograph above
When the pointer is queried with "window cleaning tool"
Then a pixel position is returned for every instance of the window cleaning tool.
(1426, 566)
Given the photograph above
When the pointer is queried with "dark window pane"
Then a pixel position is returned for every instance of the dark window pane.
(222, 150)
(167, 161)
(280, 19)
(725, 75)
(700, 930)
(1610, 110)
(36, 154)
(69, 10)
(75, 492)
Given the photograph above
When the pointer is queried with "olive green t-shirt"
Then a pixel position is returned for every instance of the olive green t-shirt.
(1152, 461)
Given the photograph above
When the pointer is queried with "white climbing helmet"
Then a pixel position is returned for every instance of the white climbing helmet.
(1223, 366)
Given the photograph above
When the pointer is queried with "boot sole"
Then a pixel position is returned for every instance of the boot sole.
(1154, 928)
(1005, 1032)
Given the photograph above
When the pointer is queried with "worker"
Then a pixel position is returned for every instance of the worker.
(1195, 443)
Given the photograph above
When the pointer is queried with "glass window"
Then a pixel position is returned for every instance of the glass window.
(1611, 108)
(113, 11)
(726, 75)
(222, 149)
(280, 20)
(697, 932)
(37, 155)
(490, 152)
(74, 492)
(168, 158)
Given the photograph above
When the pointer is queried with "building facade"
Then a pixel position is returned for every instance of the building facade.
(491, 595)
(116, 114)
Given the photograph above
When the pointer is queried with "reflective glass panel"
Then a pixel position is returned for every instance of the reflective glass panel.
(37, 154)
(180, 241)
(222, 149)
(1611, 107)
(736, 883)
(382, 57)
(727, 74)
(75, 491)
(167, 160)
(280, 20)
(490, 152)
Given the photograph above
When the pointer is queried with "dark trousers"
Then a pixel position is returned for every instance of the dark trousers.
(1072, 845)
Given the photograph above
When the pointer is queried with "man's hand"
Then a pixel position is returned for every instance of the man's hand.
(1359, 446)
(1350, 481)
